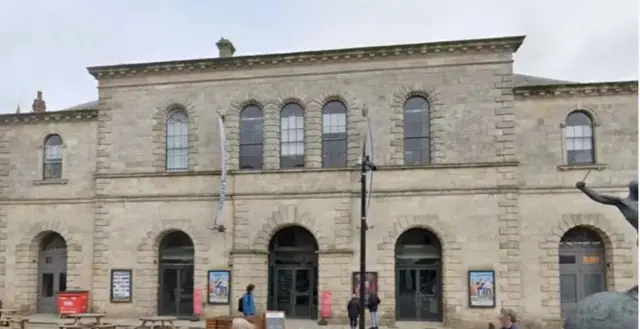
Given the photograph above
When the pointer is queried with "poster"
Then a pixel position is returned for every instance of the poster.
(219, 287)
(481, 289)
(121, 286)
(370, 284)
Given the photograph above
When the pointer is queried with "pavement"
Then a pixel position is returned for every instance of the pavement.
(49, 321)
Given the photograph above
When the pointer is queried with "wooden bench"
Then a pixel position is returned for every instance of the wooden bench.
(157, 322)
(17, 322)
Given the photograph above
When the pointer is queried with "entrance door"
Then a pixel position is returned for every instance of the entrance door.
(52, 272)
(176, 290)
(418, 294)
(294, 292)
(582, 267)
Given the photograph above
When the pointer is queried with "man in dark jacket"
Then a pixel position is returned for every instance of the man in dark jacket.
(372, 305)
(353, 311)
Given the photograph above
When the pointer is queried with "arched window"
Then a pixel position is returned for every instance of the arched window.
(334, 135)
(292, 136)
(251, 137)
(417, 143)
(578, 134)
(177, 151)
(52, 166)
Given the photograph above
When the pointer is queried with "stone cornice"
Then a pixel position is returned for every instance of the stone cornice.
(503, 44)
(54, 116)
(578, 89)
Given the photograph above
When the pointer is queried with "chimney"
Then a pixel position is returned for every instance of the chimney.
(39, 104)
(225, 48)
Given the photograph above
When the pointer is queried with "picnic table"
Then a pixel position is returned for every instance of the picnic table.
(16, 322)
(4, 314)
(85, 321)
(157, 322)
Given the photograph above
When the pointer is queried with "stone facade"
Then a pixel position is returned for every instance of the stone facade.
(498, 193)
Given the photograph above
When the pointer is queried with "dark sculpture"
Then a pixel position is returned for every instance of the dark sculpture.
(609, 310)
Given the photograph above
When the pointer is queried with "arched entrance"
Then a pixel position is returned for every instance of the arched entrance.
(175, 296)
(293, 273)
(582, 266)
(52, 271)
(418, 276)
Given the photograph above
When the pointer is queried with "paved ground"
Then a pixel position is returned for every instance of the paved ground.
(42, 321)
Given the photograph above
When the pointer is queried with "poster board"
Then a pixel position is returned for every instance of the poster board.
(274, 320)
(482, 292)
(121, 286)
(218, 287)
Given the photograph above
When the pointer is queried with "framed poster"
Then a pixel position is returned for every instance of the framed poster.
(219, 287)
(370, 284)
(121, 285)
(482, 289)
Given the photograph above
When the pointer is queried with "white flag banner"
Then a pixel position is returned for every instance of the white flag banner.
(369, 151)
(224, 158)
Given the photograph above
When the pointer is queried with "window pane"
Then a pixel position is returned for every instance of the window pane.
(334, 154)
(580, 156)
(417, 151)
(251, 156)
(46, 285)
(52, 170)
(177, 141)
(578, 119)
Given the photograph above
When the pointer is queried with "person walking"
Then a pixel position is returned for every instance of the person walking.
(508, 319)
(247, 302)
(353, 311)
(372, 305)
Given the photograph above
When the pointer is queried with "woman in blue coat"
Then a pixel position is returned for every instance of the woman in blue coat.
(248, 302)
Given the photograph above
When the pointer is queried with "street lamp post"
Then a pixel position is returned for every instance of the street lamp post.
(365, 166)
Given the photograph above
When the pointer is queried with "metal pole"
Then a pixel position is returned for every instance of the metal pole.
(363, 236)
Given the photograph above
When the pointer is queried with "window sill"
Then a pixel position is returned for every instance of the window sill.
(594, 166)
(50, 182)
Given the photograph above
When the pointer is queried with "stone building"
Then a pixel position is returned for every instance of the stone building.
(476, 172)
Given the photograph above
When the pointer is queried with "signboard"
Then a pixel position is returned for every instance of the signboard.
(224, 158)
(274, 320)
(121, 286)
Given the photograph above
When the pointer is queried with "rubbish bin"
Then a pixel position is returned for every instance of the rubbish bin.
(73, 302)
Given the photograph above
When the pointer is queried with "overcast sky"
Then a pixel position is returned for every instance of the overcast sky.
(46, 45)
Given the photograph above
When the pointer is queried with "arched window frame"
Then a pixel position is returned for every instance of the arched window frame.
(417, 135)
(251, 137)
(579, 140)
(177, 140)
(292, 139)
(334, 134)
(52, 158)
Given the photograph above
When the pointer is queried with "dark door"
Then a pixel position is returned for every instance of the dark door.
(418, 294)
(176, 290)
(52, 273)
(582, 273)
(294, 292)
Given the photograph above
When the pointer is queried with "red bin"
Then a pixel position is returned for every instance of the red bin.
(73, 302)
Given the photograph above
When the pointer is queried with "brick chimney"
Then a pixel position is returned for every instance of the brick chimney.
(225, 48)
(39, 104)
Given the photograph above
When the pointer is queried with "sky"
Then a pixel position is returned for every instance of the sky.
(47, 45)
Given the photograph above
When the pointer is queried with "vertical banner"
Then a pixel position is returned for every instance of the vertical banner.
(368, 145)
(224, 158)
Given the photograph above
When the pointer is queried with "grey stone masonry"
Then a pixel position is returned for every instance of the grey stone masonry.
(5, 169)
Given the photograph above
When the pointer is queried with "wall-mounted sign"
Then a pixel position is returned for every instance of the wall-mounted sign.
(482, 292)
(121, 286)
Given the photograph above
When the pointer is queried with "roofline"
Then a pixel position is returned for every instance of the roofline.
(582, 89)
(510, 43)
(52, 116)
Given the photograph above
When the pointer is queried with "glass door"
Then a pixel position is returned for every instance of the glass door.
(428, 296)
(176, 291)
(284, 290)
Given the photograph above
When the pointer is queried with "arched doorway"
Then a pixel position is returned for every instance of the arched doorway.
(582, 266)
(175, 296)
(293, 273)
(418, 276)
(52, 271)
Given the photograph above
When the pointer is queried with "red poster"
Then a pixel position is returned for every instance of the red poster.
(326, 304)
(197, 301)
